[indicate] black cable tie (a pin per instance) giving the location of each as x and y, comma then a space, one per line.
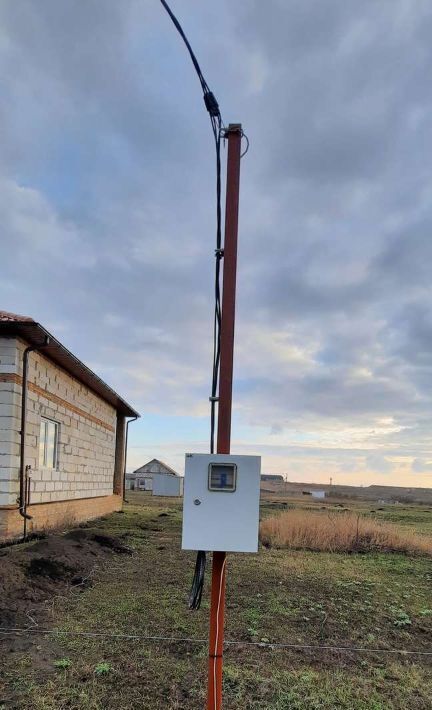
211, 104
219, 253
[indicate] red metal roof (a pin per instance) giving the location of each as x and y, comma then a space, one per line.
6, 317
12, 324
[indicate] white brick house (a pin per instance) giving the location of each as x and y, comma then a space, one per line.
68, 465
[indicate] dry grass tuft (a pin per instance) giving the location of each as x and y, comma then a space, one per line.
339, 532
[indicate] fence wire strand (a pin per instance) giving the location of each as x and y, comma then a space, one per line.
175, 639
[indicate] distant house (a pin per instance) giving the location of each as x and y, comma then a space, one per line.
62, 443
314, 493
276, 477
142, 478
318, 494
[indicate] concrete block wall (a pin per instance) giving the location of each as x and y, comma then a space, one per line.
87, 431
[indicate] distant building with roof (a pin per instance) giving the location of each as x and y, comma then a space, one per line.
142, 478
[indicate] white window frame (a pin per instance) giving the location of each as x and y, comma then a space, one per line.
46, 421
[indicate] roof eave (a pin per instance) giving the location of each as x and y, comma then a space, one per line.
35, 334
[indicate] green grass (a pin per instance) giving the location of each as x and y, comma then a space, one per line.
62, 663
373, 600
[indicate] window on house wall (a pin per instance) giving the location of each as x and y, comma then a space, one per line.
48, 443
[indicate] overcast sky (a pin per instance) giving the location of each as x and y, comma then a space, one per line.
107, 219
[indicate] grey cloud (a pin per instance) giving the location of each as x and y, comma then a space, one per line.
104, 126
339, 81
379, 463
421, 466
332, 396
404, 260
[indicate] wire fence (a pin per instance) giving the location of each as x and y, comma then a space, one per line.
175, 639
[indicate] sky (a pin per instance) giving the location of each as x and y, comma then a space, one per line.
107, 207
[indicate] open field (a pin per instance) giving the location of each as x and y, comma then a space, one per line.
385, 494
374, 600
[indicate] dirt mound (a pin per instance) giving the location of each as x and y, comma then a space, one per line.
33, 573
44, 567
112, 543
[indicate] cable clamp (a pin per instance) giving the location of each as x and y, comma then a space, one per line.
213, 399
211, 104
219, 253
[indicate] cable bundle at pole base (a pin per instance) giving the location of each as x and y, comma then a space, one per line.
198, 581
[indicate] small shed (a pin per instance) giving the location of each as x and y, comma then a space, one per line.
164, 485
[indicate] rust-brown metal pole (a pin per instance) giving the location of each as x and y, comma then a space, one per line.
217, 611
229, 288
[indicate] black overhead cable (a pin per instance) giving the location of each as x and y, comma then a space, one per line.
217, 126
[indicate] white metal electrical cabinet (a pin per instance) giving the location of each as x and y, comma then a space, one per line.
221, 502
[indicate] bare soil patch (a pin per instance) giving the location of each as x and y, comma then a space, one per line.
33, 573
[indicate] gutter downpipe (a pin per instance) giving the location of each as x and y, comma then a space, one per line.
23, 497
125, 456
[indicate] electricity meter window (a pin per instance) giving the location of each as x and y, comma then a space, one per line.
222, 477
